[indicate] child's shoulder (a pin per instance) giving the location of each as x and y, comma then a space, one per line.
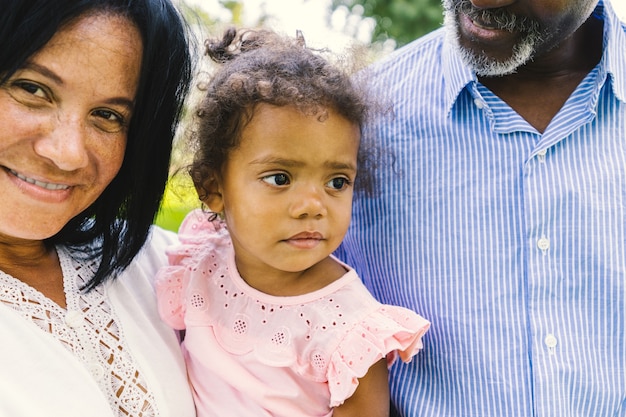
199, 223
199, 234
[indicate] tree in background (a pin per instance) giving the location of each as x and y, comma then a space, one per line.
400, 20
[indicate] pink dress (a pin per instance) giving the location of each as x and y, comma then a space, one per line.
253, 354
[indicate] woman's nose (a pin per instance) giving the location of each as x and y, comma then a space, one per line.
64, 143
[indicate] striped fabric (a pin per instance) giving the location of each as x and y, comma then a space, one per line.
513, 243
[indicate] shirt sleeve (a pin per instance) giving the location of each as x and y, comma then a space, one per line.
390, 332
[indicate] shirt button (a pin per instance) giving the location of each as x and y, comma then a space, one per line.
541, 155
96, 370
543, 244
74, 318
479, 103
550, 341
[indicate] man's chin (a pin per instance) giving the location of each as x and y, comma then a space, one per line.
487, 66
519, 52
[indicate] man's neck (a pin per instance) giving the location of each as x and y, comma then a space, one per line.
538, 90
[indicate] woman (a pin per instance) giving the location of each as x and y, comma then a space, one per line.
90, 94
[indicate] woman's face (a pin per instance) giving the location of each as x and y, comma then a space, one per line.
64, 120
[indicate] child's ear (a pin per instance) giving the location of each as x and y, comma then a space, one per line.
210, 193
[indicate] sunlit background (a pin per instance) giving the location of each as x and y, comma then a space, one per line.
324, 21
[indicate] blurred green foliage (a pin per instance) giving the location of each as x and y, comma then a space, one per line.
401, 20
180, 197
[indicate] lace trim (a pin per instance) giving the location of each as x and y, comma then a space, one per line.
89, 330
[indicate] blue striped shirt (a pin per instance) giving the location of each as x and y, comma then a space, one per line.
512, 242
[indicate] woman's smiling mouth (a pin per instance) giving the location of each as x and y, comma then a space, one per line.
46, 185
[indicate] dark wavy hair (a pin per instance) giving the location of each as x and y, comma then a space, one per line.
261, 66
117, 224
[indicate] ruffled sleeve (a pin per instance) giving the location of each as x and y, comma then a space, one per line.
198, 235
389, 332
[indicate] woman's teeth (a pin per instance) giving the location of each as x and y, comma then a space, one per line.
46, 185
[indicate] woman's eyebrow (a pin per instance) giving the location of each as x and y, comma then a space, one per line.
45, 71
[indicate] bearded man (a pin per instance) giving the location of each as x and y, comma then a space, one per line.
503, 218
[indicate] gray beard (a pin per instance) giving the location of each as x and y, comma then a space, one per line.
483, 65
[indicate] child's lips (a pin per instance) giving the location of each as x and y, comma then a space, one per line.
307, 235
305, 240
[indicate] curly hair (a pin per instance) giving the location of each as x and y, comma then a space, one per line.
261, 66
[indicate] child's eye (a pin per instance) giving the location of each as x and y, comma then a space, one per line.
278, 180
338, 183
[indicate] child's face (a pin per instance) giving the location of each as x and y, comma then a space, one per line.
286, 191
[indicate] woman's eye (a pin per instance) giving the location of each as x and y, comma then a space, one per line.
26, 90
278, 180
338, 183
108, 115
109, 120
32, 88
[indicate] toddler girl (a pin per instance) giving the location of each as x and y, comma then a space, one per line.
274, 324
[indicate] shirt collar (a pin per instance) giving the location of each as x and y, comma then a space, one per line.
614, 56
455, 72
458, 75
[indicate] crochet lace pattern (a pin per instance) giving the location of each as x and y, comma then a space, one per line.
88, 329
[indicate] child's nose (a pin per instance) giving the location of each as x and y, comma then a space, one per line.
308, 202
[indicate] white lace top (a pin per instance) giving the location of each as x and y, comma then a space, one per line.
90, 330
